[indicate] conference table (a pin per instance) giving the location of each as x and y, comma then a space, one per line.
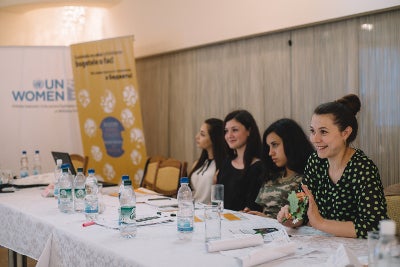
32, 225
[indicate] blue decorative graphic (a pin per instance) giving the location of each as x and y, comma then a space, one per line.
112, 138
38, 84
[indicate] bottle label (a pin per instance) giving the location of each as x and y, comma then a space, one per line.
65, 193
185, 225
80, 193
128, 213
91, 205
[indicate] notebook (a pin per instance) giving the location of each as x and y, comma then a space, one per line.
65, 159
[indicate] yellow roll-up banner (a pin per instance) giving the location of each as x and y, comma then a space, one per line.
109, 108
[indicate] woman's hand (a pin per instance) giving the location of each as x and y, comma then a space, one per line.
315, 218
285, 218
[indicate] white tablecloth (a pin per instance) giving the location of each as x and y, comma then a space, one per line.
29, 222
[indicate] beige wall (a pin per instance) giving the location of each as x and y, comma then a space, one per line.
273, 80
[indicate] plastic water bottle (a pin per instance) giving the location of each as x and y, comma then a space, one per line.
185, 215
79, 191
127, 204
57, 174
24, 171
91, 197
37, 166
121, 187
386, 253
65, 200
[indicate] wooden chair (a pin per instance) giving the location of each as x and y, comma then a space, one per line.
79, 161
150, 172
393, 210
168, 175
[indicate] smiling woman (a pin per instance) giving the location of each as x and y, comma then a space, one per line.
343, 185
242, 172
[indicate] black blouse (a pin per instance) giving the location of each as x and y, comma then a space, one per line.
240, 191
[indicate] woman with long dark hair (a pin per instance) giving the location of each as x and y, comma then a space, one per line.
242, 172
211, 141
285, 152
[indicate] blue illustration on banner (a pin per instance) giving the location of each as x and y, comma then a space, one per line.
48, 90
112, 138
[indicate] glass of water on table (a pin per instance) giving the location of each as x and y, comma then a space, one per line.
217, 196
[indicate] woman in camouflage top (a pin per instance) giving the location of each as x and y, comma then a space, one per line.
285, 152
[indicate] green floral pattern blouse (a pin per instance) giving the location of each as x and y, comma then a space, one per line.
357, 196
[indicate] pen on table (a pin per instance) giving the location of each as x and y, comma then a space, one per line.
160, 198
171, 214
88, 223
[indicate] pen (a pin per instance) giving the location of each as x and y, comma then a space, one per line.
88, 223
171, 214
160, 198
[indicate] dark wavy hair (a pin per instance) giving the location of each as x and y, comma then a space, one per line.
216, 132
253, 145
344, 111
296, 146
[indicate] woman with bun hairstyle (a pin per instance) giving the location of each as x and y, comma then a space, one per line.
342, 184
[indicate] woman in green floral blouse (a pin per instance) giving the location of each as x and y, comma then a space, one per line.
343, 185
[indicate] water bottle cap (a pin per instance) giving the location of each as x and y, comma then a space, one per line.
59, 161
91, 171
387, 227
127, 182
64, 169
184, 180
125, 177
80, 169
65, 165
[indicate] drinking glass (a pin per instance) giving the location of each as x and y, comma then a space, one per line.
373, 237
102, 205
212, 221
217, 196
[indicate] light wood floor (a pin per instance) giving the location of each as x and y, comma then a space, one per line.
4, 259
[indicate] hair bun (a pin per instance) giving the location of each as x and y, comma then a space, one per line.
351, 101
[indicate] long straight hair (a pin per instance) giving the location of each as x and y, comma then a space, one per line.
253, 144
296, 146
216, 133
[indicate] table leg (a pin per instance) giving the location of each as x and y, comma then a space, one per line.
16, 260
21, 260
12, 258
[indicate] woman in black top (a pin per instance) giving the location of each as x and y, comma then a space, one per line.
242, 172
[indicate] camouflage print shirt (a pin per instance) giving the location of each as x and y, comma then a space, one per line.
273, 194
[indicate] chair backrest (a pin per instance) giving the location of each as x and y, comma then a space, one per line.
393, 210
168, 175
150, 172
80, 161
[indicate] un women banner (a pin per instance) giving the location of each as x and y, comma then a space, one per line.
37, 105
109, 107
